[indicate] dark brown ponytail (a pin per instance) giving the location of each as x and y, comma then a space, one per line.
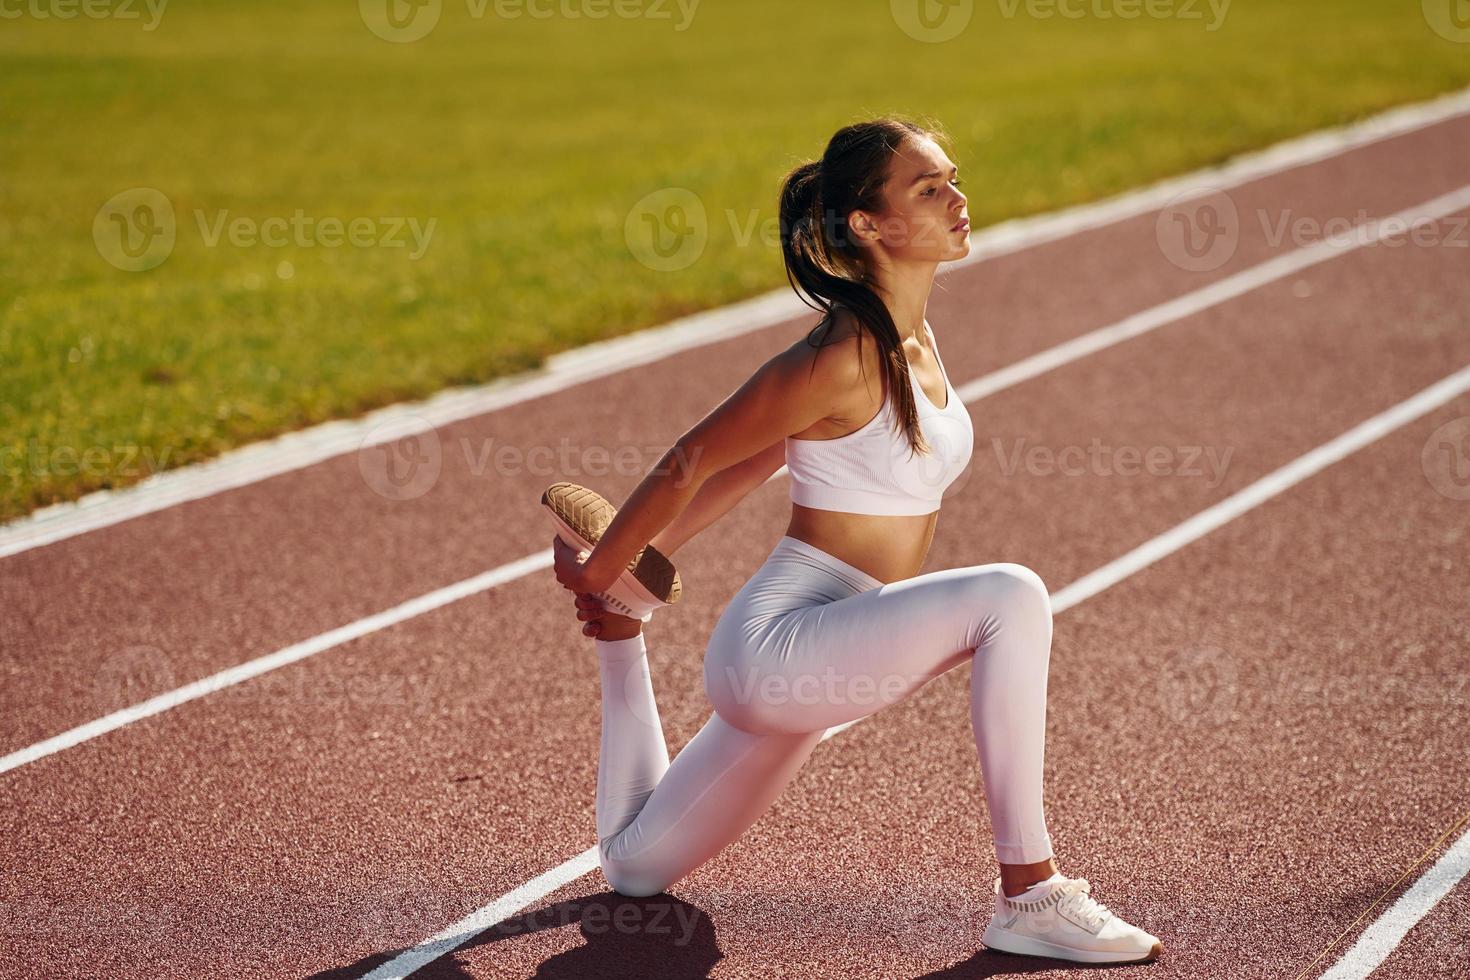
825, 267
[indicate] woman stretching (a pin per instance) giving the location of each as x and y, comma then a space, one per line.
836, 624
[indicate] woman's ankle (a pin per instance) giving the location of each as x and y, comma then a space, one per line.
1016, 878
619, 631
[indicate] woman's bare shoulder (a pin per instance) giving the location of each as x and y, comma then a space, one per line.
841, 358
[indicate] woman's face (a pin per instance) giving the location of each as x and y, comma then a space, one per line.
926, 218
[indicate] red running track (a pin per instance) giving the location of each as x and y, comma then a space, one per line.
1249, 741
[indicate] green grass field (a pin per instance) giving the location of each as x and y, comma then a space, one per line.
527, 142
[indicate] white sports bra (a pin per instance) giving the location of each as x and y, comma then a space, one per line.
873, 470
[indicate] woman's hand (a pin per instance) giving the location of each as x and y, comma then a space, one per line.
570, 567
599, 623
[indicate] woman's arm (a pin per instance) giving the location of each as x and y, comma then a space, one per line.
719, 495
785, 395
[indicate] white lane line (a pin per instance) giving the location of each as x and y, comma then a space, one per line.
1055, 357
287, 655
478, 921
1264, 489
306, 447
1214, 294
1383, 936
1204, 298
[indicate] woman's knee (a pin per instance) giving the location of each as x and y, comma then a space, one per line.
1011, 589
635, 877
633, 884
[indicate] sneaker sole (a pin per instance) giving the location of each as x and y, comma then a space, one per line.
1002, 941
582, 515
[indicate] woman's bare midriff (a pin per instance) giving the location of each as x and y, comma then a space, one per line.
887, 548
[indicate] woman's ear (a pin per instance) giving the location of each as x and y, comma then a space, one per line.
861, 227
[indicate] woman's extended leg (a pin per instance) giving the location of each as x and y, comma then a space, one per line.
827, 663
718, 785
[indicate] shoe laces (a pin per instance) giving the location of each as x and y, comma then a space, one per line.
1079, 902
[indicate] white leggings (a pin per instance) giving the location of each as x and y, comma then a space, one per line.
811, 642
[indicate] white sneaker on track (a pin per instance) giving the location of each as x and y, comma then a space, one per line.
1062, 920
649, 582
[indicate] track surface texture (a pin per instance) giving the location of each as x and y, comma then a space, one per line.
1255, 745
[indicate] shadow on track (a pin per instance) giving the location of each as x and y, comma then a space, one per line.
623, 939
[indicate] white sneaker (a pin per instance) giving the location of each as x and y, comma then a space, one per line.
650, 580
1064, 921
